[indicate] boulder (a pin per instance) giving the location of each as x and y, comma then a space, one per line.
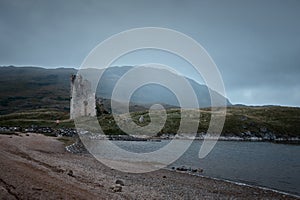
120, 182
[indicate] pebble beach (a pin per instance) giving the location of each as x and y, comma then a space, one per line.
34, 166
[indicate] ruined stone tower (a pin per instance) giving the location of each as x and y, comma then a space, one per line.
82, 99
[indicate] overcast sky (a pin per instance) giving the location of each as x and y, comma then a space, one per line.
255, 43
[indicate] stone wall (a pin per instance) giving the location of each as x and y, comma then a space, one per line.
82, 98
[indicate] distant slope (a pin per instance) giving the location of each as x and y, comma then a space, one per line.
25, 88
153, 93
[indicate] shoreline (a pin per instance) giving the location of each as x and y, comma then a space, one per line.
35, 166
239, 183
70, 132
197, 174
291, 140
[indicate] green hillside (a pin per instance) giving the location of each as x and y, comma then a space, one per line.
27, 88
240, 121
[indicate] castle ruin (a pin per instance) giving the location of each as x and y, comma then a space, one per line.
82, 99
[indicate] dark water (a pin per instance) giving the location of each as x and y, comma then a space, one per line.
264, 164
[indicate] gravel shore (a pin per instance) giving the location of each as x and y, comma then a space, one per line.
38, 167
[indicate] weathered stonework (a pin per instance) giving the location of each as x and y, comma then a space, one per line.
82, 98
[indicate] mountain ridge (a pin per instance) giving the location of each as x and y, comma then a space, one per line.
30, 87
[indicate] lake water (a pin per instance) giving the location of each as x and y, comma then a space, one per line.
264, 164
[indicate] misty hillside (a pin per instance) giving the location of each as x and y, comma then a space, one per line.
24, 88
154, 93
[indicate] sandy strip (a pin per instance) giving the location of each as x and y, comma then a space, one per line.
38, 167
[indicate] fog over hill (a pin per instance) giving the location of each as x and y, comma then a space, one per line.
24, 88
152, 93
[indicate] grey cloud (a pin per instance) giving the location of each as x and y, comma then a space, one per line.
255, 44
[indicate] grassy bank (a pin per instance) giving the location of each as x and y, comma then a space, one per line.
38, 117
259, 121
280, 121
